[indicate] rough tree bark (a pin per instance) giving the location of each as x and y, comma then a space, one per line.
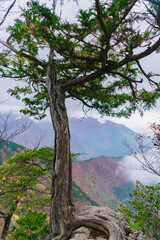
61, 201
63, 220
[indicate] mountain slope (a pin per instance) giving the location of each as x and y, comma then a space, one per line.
81, 199
87, 136
103, 180
100, 180
9, 149
96, 139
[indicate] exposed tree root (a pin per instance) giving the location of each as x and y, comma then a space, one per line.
109, 225
111, 230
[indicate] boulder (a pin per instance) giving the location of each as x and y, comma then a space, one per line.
115, 222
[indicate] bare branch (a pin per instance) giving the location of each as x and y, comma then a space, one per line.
5, 130
149, 75
149, 10
145, 154
6, 14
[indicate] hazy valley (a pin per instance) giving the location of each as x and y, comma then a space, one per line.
102, 175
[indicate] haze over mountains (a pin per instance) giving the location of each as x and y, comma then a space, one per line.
104, 178
87, 136
95, 139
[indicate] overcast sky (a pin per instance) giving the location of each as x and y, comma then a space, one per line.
136, 123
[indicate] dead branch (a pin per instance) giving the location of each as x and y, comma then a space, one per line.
5, 130
7, 12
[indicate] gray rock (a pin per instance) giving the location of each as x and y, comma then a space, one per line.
116, 222
79, 236
102, 223
81, 233
137, 235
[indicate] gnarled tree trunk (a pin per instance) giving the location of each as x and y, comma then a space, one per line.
61, 215
63, 220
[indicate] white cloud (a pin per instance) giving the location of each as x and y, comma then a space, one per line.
9, 103
140, 124
136, 123
133, 169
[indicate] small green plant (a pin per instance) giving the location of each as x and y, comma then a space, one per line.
22, 179
146, 209
30, 226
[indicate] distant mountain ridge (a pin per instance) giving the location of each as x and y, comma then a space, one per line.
87, 136
96, 139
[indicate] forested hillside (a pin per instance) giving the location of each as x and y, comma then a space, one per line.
98, 181
8, 149
103, 180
